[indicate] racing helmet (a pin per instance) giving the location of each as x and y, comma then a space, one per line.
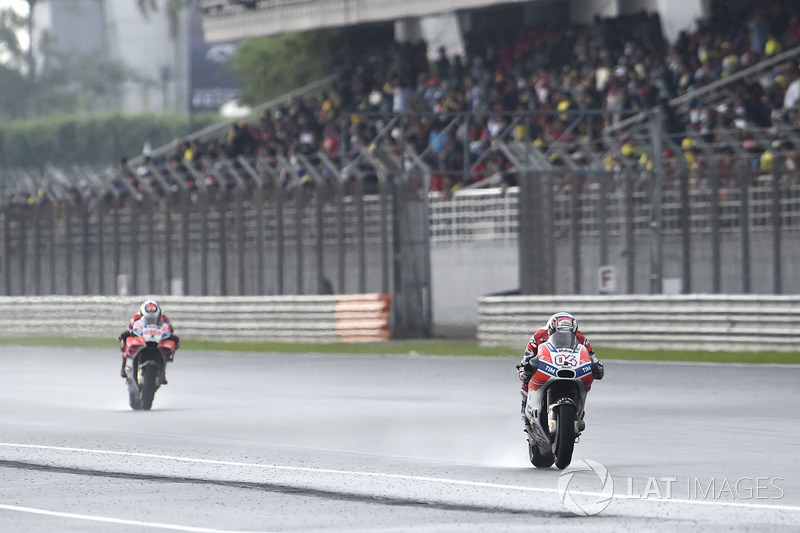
561, 330
562, 321
151, 312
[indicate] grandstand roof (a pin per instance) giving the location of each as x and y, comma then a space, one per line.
228, 20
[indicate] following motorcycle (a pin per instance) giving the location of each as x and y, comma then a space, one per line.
147, 352
556, 400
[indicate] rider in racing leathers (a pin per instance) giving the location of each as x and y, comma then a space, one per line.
530, 360
151, 313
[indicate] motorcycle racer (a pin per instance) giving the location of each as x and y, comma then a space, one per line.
150, 313
530, 360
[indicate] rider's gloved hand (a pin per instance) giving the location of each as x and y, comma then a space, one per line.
597, 370
122, 336
524, 371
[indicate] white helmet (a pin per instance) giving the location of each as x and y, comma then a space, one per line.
561, 320
151, 312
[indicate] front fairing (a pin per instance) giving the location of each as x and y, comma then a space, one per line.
151, 332
565, 362
564, 371
149, 343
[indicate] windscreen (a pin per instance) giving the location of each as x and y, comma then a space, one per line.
563, 339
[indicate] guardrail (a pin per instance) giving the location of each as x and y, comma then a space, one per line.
344, 318
682, 322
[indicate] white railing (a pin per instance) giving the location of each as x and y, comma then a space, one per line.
681, 322
490, 214
481, 214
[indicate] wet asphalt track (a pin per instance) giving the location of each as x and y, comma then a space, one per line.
255, 442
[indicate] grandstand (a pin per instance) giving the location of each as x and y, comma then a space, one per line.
633, 149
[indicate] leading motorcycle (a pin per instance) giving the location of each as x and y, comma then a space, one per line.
556, 400
147, 352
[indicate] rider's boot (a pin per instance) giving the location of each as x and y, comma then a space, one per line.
163, 376
122, 370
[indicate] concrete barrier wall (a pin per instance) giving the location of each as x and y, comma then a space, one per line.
701, 322
346, 318
686, 322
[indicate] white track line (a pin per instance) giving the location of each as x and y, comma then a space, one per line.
118, 521
754, 364
429, 479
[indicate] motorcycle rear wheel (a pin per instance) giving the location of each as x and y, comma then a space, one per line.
149, 386
565, 435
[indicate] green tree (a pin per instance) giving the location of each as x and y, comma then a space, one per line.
12, 96
30, 63
15, 87
80, 83
42, 80
11, 24
173, 9
271, 66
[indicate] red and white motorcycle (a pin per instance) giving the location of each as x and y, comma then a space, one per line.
556, 400
147, 352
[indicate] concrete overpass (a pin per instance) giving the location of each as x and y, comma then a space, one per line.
231, 20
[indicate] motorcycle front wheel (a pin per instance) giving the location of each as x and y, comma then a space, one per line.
148, 386
565, 435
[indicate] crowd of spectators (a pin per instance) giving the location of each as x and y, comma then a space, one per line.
530, 84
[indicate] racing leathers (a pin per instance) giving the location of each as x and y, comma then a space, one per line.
123, 338
530, 361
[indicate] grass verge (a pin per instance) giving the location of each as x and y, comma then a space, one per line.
421, 347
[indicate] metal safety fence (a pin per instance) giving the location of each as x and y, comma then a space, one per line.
197, 243
640, 212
